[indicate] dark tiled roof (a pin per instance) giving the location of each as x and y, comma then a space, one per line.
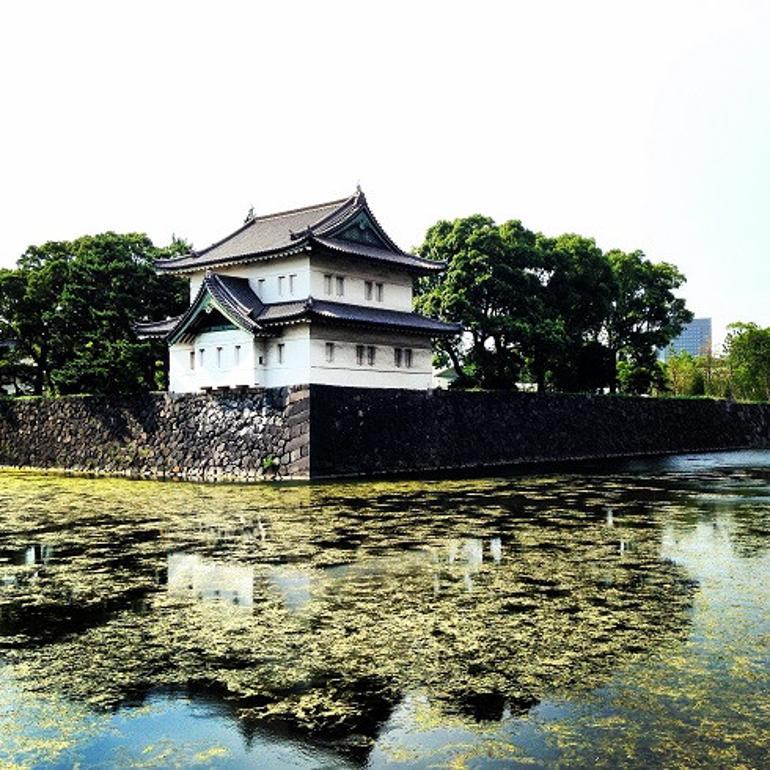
235, 293
155, 328
400, 258
356, 314
266, 235
300, 230
236, 301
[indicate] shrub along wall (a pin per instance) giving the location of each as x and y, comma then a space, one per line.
233, 436
356, 431
322, 431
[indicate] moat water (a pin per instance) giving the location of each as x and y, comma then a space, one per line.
608, 617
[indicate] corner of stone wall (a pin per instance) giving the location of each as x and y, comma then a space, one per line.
295, 460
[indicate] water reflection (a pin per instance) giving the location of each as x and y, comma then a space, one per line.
193, 576
324, 611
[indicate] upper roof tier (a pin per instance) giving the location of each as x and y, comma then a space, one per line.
343, 227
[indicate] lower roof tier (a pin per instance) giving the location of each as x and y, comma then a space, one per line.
234, 299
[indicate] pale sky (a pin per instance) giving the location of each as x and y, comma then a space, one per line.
643, 124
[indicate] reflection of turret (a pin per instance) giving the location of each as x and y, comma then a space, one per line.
469, 553
37, 554
190, 575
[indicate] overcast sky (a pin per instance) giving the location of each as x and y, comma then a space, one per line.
645, 125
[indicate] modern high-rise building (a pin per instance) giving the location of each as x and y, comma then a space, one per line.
695, 339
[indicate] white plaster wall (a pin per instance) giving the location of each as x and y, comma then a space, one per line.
211, 373
270, 270
344, 370
295, 369
398, 285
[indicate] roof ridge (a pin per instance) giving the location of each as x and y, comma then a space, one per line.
301, 209
264, 218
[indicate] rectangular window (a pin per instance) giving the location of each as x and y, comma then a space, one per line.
219, 358
407, 358
397, 356
329, 352
261, 288
340, 283
368, 289
192, 359
327, 285
237, 355
280, 352
371, 353
292, 284
200, 356
380, 292
261, 360
360, 355
281, 281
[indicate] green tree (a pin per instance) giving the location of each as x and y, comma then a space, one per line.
69, 306
645, 315
493, 287
579, 294
747, 354
30, 308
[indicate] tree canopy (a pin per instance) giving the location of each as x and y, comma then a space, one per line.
558, 311
68, 309
747, 355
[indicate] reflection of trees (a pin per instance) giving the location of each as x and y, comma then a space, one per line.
355, 600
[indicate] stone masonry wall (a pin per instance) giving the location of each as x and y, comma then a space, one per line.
322, 431
259, 434
358, 431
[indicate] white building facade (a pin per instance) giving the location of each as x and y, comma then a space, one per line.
319, 295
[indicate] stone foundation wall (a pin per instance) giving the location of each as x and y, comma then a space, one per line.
356, 431
260, 434
322, 431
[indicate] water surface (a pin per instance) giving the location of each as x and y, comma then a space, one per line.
611, 617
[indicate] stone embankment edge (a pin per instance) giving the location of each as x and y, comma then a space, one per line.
329, 432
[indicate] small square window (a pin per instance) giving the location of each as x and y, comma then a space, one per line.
397, 356
380, 292
368, 289
408, 358
371, 353
329, 352
281, 281
327, 285
340, 284
280, 352
360, 355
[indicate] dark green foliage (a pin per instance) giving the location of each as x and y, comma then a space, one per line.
69, 308
645, 315
747, 354
556, 310
493, 287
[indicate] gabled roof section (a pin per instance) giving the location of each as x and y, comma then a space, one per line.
345, 226
232, 297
